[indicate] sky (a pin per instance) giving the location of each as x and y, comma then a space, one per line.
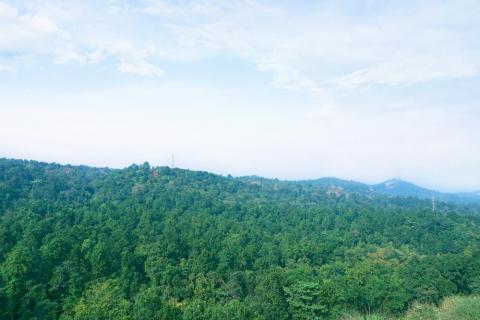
363, 90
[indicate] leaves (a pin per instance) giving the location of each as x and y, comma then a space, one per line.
161, 243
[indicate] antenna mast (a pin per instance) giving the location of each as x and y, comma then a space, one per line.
433, 203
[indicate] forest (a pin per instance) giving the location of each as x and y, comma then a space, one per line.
146, 242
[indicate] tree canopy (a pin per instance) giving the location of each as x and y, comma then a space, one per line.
158, 243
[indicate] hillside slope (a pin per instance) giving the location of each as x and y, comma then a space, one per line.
159, 243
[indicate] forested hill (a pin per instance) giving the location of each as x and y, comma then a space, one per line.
392, 187
158, 243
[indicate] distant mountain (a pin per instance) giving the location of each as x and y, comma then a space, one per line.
395, 187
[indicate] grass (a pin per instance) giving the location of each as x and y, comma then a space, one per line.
422, 312
451, 308
464, 308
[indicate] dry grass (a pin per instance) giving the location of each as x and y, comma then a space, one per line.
451, 308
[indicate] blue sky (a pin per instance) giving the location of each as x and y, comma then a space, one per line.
364, 90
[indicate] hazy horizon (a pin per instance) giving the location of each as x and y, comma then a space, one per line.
364, 91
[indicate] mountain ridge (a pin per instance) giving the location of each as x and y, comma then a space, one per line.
397, 187
394, 187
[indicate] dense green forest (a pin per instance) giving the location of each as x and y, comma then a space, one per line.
158, 243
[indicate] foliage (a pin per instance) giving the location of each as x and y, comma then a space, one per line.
158, 243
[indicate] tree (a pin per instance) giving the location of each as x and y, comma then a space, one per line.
312, 300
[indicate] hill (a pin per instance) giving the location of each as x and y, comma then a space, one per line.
395, 188
398, 187
158, 243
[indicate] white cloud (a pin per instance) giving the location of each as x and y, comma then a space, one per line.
416, 70
27, 32
140, 67
162, 7
96, 56
312, 50
7, 68
328, 47
43, 30
68, 54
